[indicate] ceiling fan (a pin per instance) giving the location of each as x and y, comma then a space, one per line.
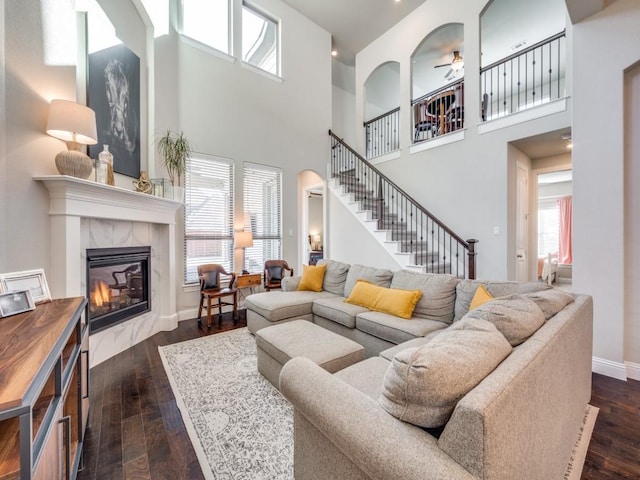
456, 64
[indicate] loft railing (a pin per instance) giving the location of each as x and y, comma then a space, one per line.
438, 112
432, 244
525, 79
382, 134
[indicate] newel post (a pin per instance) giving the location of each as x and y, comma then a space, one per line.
472, 258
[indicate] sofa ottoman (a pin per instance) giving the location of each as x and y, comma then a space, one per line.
278, 344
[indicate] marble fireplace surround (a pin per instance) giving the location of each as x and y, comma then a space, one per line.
84, 214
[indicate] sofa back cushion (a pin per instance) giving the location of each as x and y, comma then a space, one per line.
378, 276
466, 289
515, 316
335, 276
438, 293
423, 384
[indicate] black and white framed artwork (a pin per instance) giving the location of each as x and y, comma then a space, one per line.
113, 92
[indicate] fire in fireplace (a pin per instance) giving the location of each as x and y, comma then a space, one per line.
118, 285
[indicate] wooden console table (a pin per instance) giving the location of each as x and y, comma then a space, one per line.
44, 390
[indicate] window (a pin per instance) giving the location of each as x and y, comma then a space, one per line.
208, 219
259, 40
207, 21
263, 205
548, 227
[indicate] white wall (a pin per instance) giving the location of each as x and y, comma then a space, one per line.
599, 167
467, 184
231, 111
632, 218
28, 151
350, 242
3, 152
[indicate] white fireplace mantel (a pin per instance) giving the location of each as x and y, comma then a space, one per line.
71, 202
84, 198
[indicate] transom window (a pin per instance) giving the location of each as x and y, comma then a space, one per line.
259, 40
208, 21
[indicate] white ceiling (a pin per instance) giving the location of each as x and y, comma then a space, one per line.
354, 24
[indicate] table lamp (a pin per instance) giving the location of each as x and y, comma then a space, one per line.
76, 125
244, 240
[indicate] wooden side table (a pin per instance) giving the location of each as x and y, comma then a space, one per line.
248, 280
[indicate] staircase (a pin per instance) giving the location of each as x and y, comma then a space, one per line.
417, 239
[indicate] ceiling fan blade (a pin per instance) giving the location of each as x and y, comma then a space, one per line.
448, 74
443, 65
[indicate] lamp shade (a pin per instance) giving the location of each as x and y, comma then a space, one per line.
244, 239
72, 122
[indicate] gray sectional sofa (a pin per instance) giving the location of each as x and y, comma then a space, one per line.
525, 359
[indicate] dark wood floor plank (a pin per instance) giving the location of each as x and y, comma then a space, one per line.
131, 396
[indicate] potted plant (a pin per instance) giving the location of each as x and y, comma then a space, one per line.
175, 150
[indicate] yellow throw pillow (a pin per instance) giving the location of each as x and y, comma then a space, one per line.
312, 277
393, 301
481, 297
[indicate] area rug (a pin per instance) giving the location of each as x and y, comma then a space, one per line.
579, 453
240, 426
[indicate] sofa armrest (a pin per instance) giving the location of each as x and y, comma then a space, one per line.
378, 444
290, 284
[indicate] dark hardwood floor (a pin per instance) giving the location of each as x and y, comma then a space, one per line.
136, 431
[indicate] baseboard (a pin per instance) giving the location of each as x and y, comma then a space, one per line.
609, 368
633, 370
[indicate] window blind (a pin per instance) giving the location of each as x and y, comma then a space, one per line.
263, 205
208, 219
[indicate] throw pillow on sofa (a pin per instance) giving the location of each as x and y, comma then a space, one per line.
377, 276
423, 384
438, 293
551, 301
466, 289
515, 316
481, 297
312, 276
335, 276
393, 301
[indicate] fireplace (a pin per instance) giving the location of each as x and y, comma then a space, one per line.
118, 285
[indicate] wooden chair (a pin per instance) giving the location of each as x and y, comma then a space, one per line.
274, 272
210, 288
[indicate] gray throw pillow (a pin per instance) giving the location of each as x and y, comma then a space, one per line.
423, 384
551, 301
466, 289
335, 276
515, 316
378, 276
438, 293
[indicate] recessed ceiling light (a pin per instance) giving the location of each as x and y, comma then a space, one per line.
334, 53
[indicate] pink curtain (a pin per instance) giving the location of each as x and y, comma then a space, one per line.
565, 256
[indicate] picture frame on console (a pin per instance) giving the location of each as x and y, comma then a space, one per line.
13, 303
32, 280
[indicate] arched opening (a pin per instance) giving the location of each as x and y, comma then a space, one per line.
523, 59
382, 110
437, 83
